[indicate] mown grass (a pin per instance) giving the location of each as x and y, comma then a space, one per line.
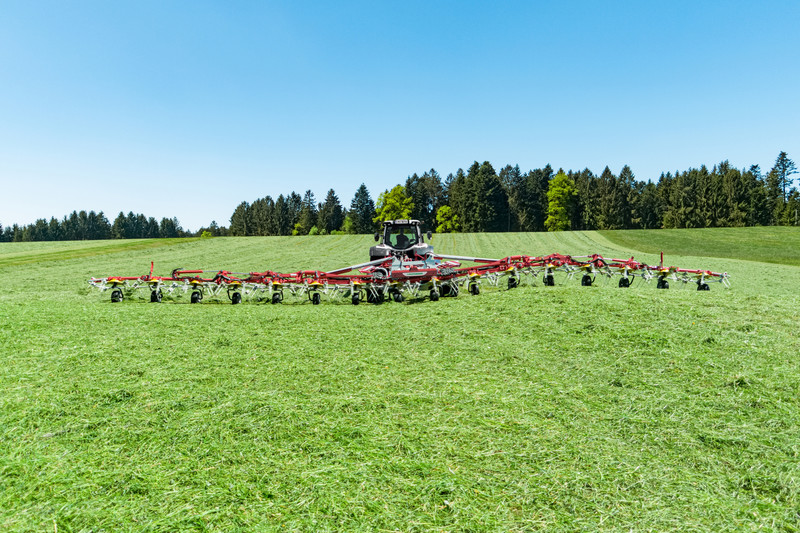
40, 252
564, 408
765, 244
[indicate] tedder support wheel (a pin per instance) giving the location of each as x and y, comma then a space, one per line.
624, 283
315, 298
116, 295
197, 296
434, 296
587, 280
474, 289
277, 297
703, 287
397, 296
155, 296
549, 281
356, 298
662, 284
512, 283
236, 298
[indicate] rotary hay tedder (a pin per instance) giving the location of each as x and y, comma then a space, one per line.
401, 266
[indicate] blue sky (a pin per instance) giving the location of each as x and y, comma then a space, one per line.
188, 108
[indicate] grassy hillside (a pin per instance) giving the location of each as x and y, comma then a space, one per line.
559, 408
766, 244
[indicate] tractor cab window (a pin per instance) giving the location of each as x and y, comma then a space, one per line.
401, 237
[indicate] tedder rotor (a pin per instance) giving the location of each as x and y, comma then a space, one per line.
401, 266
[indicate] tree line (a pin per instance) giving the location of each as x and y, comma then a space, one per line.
481, 199
83, 226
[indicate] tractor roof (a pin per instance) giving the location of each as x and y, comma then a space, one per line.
400, 221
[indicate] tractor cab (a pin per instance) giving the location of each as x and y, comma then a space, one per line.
400, 238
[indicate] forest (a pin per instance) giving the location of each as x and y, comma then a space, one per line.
484, 200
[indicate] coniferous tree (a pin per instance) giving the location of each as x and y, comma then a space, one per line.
426, 193
792, 210
463, 197
775, 198
294, 204
585, 210
54, 230
511, 179
169, 228
308, 215
119, 228
531, 208
608, 216
362, 211
624, 196
331, 214
280, 217
784, 169
456, 189
646, 209
757, 209
238, 227
491, 204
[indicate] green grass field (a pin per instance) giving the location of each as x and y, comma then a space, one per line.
560, 408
